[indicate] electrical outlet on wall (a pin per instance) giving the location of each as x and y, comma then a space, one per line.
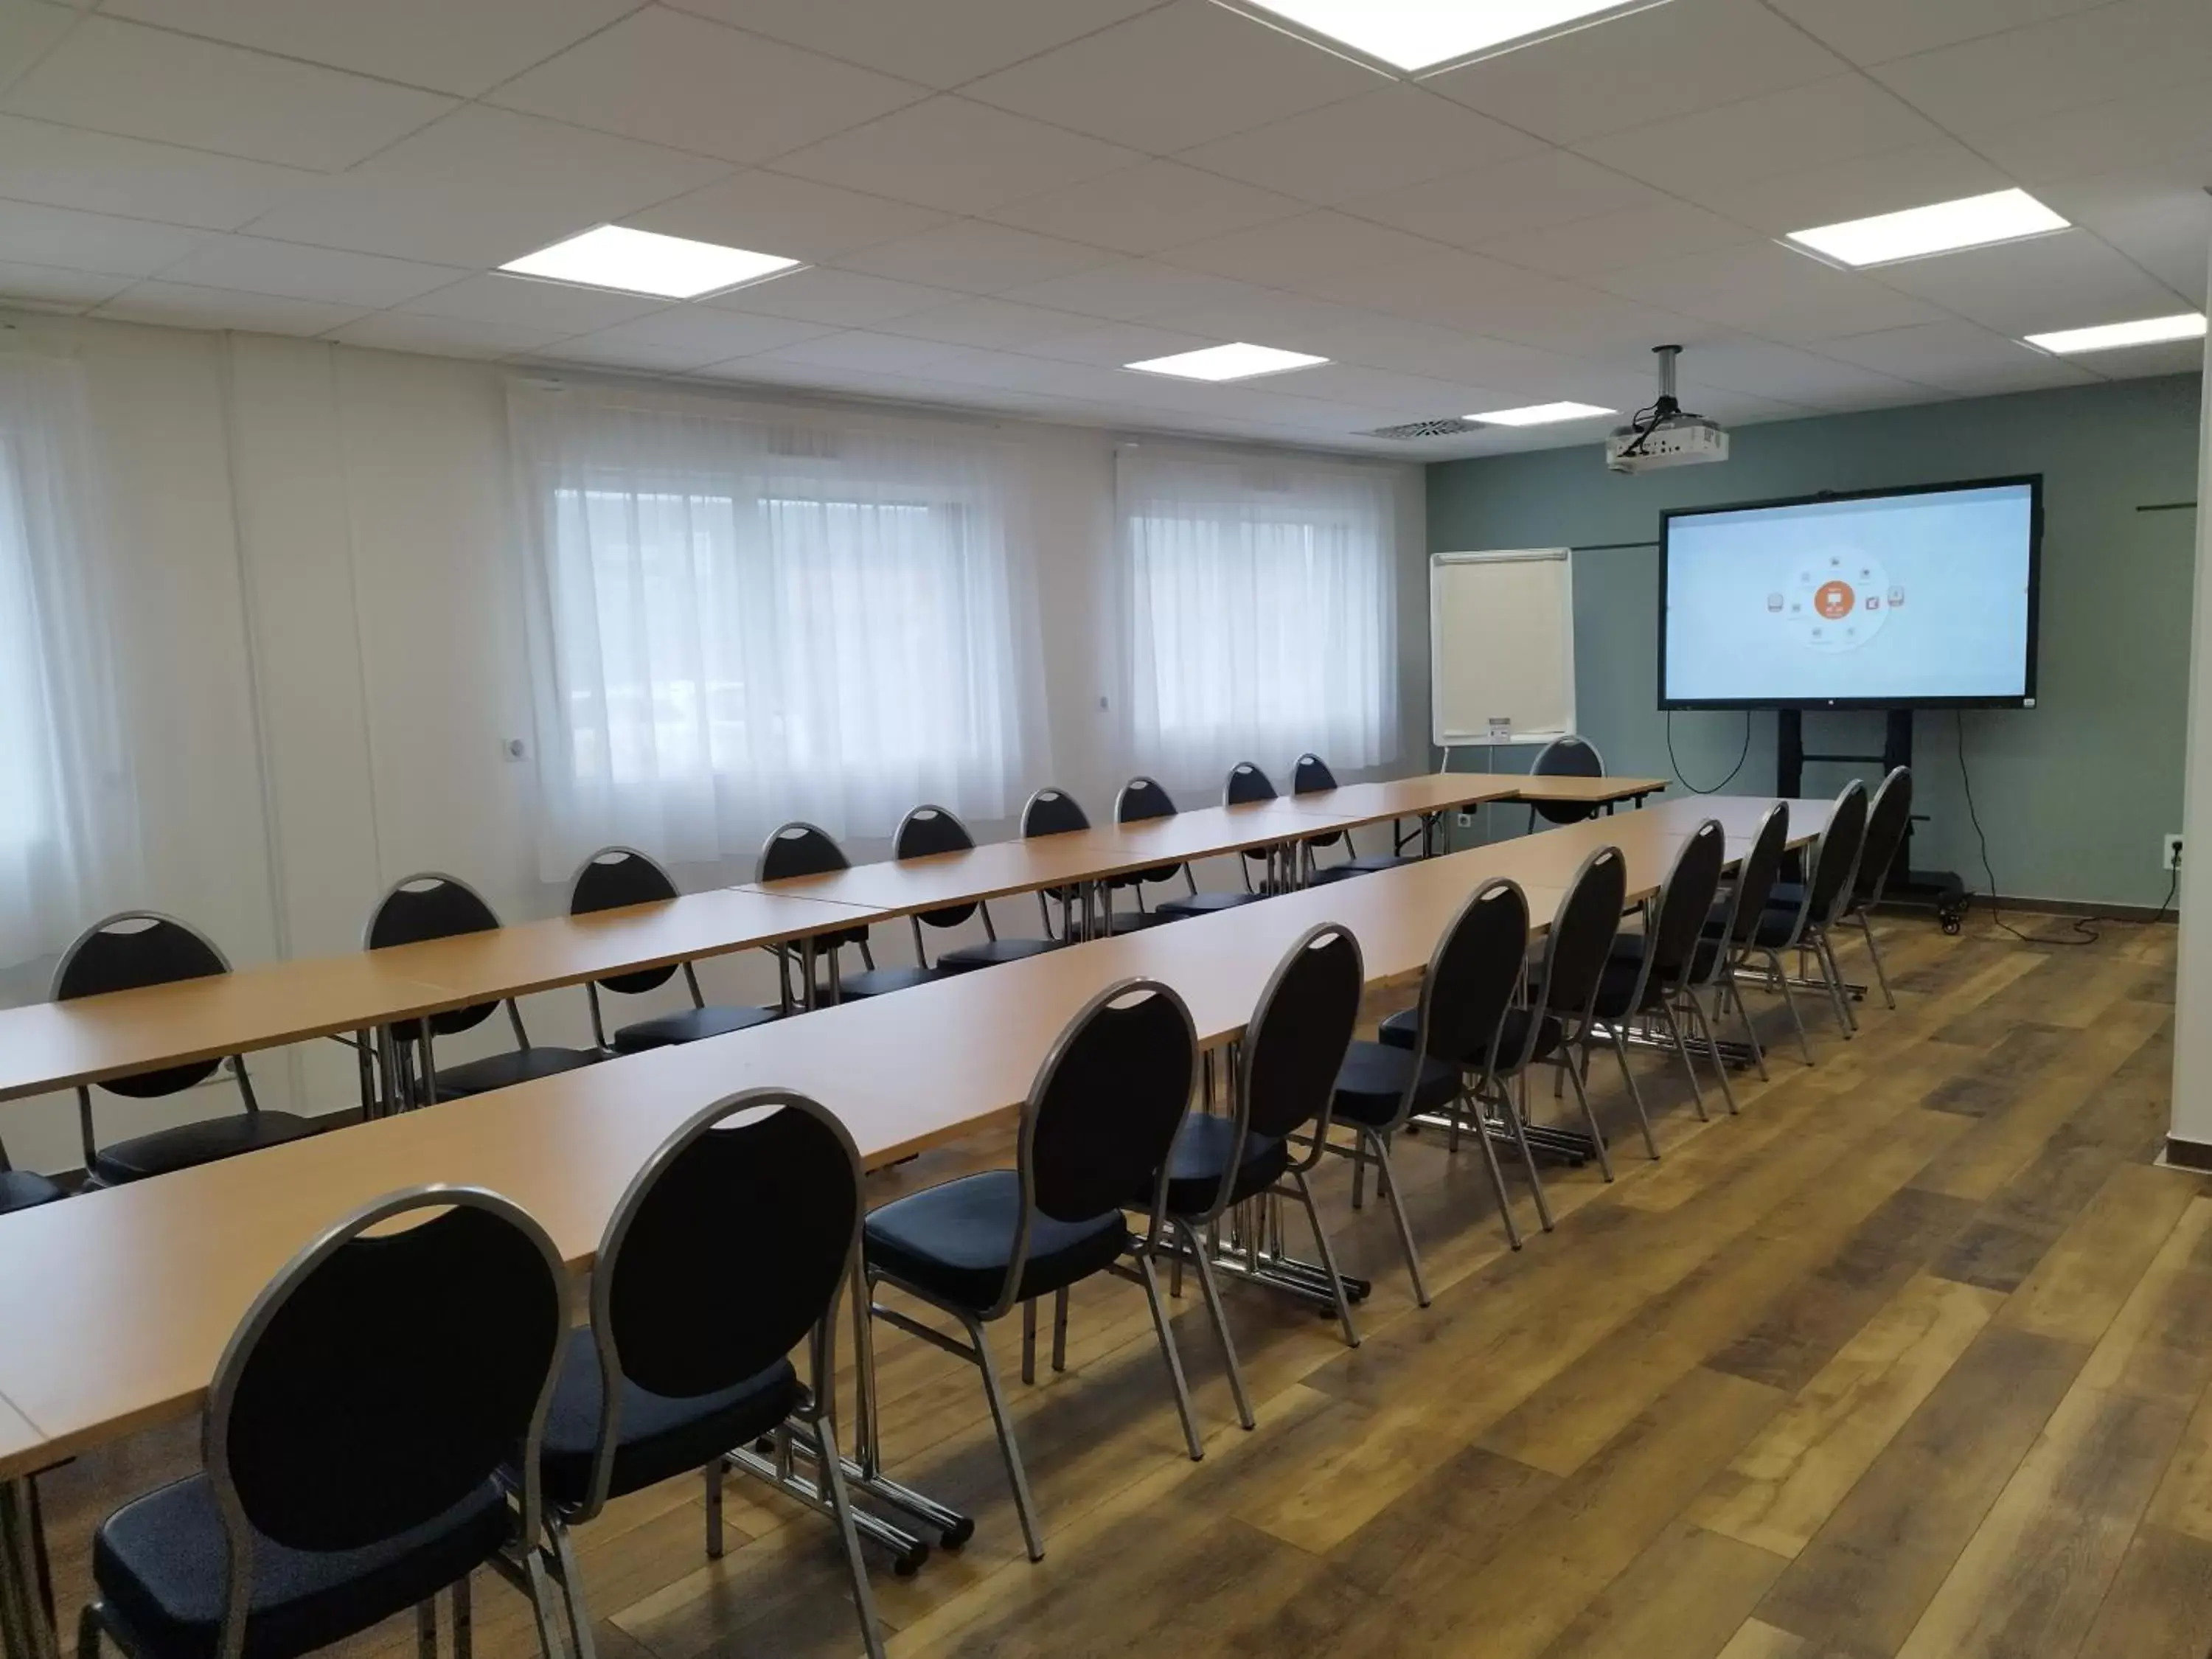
1465, 820
2171, 855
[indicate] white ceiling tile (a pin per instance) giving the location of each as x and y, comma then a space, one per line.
138, 83
859, 349
1955, 357
65, 166
686, 338
2118, 50
1376, 392
2170, 358
1000, 324
2171, 245
91, 241
1002, 371
835, 299
526, 302
773, 213
1668, 60
179, 305
1388, 139
460, 46
1855, 189
1185, 74
443, 336
955, 155
1552, 187
1131, 290
1787, 375
669, 78
1781, 132
2170, 124
1611, 240
2070, 280
258, 266
1146, 207
975, 257
483, 186
941, 44
1504, 302
1874, 31
28, 30
1290, 253
1764, 289
53, 287
1110, 347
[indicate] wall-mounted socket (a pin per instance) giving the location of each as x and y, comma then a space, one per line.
1465, 820
2170, 854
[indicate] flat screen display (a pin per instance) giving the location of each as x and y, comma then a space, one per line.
1891, 599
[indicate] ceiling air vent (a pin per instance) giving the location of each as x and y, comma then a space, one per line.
1413, 430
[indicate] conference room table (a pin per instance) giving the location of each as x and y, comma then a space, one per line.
117, 1304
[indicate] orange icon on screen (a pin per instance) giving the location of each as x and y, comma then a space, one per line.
1834, 600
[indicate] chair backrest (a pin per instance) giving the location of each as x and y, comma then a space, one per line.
1569, 756
1756, 875
1836, 859
384, 1375
127, 951
1670, 944
1142, 798
928, 830
1295, 1042
1052, 812
1311, 774
728, 1248
432, 906
1472, 974
1887, 820
1246, 783
1583, 929
610, 879
1102, 1115
800, 850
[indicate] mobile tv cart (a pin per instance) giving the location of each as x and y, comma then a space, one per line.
1940, 890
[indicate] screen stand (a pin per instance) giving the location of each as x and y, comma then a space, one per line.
1939, 891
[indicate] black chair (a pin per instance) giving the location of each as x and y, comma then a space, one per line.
610, 879
1099, 1124
353, 1445
1564, 758
432, 906
1466, 998
1803, 926
24, 1189
1054, 812
1654, 975
126, 952
1736, 922
728, 1248
1141, 800
801, 849
1247, 786
1282, 1078
1310, 776
1888, 818
928, 830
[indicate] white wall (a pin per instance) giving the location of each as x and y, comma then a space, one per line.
2192, 1010
326, 655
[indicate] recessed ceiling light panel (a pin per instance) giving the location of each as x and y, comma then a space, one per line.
643, 262
2111, 336
1419, 34
2003, 215
1540, 414
1238, 361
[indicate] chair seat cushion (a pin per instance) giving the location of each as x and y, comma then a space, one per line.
1207, 903
1372, 1081
504, 1071
24, 1189
1785, 895
656, 1437
190, 1145
1334, 872
1777, 926
1202, 1151
955, 1241
882, 982
993, 953
1371, 862
1400, 1030
160, 1564
690, 1026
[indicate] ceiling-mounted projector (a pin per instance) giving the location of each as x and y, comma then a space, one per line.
1665, 435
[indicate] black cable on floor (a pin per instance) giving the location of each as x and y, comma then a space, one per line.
1733, 770
2085, 926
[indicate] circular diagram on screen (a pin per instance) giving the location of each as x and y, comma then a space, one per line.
1838, 601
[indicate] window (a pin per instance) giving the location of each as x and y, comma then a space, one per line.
1262, 603
743, 624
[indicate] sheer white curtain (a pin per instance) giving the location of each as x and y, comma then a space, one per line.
68, 805
742, 616
1262, 599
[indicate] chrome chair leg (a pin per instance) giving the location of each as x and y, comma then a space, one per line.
1597, 1135
1212, 1294
1389, 1184
1328, 1254
87, 1632
1832, 971
1635, 1094
1496, 1176
714, 1473
1713, 1050
1513, 1118
1682, 1048
1735, 989
1789, 1001
841, 1505
1023, 1508
572, 1590
539, 1588
1169, 1353
463, 1620
1880, 974
1359, 1170
1059, 1329
1029, 1339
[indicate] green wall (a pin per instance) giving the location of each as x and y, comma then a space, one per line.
2075, 793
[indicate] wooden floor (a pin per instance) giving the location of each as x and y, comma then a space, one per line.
1910, 1358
